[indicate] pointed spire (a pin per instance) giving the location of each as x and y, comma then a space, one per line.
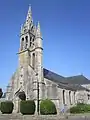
38, 26
29, 14
21, 30
38, 32
35, 28
21, 26
29, 10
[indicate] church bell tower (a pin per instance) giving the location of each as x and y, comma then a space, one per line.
30, 52
27, 41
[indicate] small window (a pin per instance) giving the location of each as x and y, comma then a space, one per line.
33, 40
22, 39
25, 30
26, 41
32, 28
33, 60
22, 43
30, 44
26, 38
21, 75
20, 82
30, 38
88, 97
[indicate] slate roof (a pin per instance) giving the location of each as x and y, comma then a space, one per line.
79, 79
70, 83
53, 76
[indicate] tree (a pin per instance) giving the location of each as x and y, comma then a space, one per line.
1, 93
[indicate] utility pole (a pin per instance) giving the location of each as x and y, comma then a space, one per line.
37, 94
38, 97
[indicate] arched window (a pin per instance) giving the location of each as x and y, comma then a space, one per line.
22, 43
88, 96
63, 96
33, 60
26, 42
32, 28
33, 40
70, 97
74, 97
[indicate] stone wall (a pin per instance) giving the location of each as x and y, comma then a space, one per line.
55, 93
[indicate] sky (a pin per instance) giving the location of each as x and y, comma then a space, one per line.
65, 26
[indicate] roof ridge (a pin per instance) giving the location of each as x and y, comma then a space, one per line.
75, 76
54, 72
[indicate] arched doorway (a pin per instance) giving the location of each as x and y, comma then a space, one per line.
22, 95
19, 95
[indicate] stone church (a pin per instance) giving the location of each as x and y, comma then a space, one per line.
35, 80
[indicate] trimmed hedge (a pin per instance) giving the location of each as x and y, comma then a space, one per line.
47, 107
80, 108
27, 107
7, 107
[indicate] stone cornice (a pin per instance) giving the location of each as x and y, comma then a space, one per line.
30, 50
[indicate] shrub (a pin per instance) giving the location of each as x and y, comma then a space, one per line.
7, 107
80, 104
87, 107
27, 107
47, 107
75, 109
80, 108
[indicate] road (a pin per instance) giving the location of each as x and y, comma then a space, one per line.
52, 117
